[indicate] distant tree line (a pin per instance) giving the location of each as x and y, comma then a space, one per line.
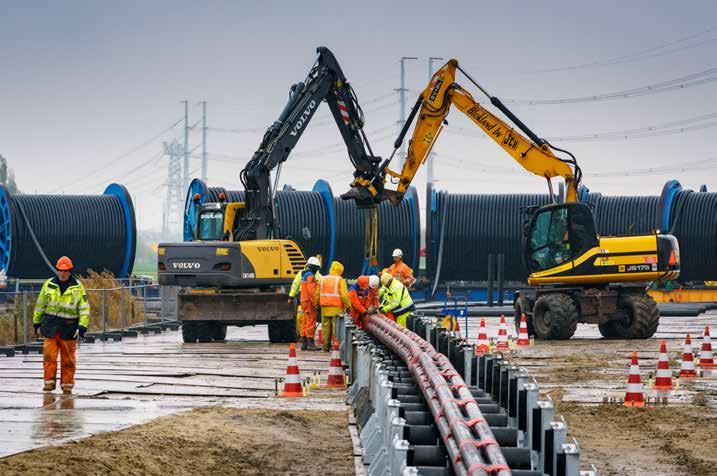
7, 176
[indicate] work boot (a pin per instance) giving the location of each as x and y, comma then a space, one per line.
67, 391
311, 346
302, 339
49, 387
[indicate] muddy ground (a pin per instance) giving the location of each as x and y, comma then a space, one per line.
204, 441
677, 439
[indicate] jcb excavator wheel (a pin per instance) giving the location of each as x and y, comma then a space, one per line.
638, 318
555, 317
189, 332
282, 332
520, 310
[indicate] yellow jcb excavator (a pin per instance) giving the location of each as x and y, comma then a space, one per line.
576, 275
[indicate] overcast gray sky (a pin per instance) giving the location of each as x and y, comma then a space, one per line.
84, 83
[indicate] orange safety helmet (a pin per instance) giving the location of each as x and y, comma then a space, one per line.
362, 282
64, 264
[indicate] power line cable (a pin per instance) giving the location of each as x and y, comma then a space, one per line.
648, 53
684, 82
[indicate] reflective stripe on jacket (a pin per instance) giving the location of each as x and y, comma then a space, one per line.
71, 305
396, 299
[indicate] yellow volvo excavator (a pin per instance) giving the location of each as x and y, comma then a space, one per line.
576, 275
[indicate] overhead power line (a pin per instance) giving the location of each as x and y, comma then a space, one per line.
696, 79
704, 164
108, 163
648, 53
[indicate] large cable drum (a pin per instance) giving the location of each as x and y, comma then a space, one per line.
475, 226
303, 218
625, 215
694, 223
98, 232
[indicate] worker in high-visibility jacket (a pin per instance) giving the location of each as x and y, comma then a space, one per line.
293, 296
309, 302
61, 315
401, 270
363, 295
396, 302
334, 300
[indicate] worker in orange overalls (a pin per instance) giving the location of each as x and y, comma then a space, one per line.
61, 315
363, 295
334, 300
308, 300
401, 270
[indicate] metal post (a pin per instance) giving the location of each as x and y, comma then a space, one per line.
402, 94
24, 318
501, 264
429, 170
104, 311
122, 318
489, 298
185, 172
204, 141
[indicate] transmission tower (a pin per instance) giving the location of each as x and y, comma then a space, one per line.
172, 218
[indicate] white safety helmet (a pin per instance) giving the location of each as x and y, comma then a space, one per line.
373, 281
397, 253
314, 261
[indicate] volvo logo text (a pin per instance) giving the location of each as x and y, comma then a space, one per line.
185, 265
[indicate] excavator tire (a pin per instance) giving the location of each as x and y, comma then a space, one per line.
638, 318
282, 332
220, 331
555, 317
520, 310
189, 332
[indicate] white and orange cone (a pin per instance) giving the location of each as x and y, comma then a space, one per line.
292, 383
336, 371
663, 376
502, 343
635, 396
523, 338
687, 369
706, 356
483, 345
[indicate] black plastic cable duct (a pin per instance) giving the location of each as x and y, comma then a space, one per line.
694, 223
476, 226
98, 232
349, 247
625, 215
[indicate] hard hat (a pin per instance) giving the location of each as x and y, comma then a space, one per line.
386, 278
373, 281
397, 253
314, 261
64, 264
362, 281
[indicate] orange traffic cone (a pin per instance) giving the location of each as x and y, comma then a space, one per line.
523, 339
336, 371
483, 346
292, 383
663, 376
502, 343
687, 369
706, 356
635, 396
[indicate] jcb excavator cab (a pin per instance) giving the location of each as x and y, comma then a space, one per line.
558, 234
